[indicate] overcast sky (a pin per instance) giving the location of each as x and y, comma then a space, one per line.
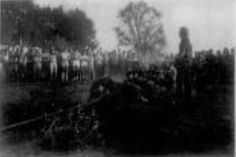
211, 22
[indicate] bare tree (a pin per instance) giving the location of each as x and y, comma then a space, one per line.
141, 30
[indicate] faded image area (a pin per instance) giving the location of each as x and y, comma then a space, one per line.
117, 78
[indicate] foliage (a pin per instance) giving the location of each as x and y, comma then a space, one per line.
71, 130
23, 21
141, 29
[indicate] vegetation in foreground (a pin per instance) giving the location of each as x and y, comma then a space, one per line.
140, 115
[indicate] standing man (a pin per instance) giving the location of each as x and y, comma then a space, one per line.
53, 64
183, 65
65, 57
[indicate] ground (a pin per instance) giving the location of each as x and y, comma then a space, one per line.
11, 93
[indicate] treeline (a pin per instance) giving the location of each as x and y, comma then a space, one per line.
23, 22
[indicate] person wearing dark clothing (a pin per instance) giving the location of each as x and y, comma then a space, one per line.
183, 65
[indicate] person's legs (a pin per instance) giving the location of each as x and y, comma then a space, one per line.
40, 71
35, 71
63, 73
179, 89
187, 85
51, 71
55, 68
67, 73
63, 76
25, 70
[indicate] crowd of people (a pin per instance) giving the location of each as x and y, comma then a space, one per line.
34, 63
149, 98
37, 64
213, 67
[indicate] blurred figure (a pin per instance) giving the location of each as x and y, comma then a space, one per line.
75, 62
23, 62
37, 65
65, 57
183, 66
91, 66
53, 65
84, 63
99, 65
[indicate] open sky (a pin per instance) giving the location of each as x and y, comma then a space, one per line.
211, 22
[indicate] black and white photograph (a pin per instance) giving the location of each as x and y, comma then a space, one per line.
114, 78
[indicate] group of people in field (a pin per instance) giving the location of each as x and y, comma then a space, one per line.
35, 63
21, 62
